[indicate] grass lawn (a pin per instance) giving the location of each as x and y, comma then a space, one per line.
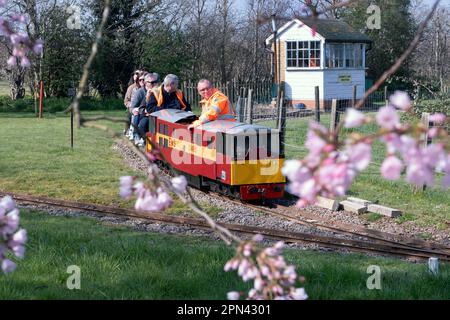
431, 207
119, 263
37, 159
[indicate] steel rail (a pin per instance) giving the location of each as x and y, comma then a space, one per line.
283, 235
375, 236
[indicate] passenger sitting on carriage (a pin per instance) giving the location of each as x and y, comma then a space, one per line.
168, 96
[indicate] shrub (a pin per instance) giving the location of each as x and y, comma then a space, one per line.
430, 106
53, 105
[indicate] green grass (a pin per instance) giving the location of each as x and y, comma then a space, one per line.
429, 207
37, 159
42, 162
119, 263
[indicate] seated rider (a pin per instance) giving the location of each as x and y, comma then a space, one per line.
167, 96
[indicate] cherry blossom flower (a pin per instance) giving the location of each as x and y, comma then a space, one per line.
401, 100
387, 118
233, 295
354, 118
272, 277
179, 184
11, 239
391, 168
438, 118
22, 45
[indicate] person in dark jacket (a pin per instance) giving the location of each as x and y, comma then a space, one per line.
168, 96
151, 82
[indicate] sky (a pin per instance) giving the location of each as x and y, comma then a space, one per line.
241, 4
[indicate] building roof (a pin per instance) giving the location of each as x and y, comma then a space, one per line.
331, 30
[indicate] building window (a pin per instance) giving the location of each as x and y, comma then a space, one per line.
344, 55
303, 54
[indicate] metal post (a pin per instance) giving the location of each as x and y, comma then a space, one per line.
354, 96
250, 107
282, 117
71, 129
425, 138
41, 98
317, 109
385, 96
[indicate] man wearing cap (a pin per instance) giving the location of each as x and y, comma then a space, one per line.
216, 105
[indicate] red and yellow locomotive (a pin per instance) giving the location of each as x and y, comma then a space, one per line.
236, 159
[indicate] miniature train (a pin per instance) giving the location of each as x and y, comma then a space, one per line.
231, 158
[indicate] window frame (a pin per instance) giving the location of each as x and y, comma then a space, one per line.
357, 60
297, 51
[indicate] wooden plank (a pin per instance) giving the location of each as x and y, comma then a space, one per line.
385, 211
330, 204
353, 207
360, 201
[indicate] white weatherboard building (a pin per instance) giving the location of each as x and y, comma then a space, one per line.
319, 52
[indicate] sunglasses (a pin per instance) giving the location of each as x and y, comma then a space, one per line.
141, 80
152, 82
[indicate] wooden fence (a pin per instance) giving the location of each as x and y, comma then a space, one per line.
262, 90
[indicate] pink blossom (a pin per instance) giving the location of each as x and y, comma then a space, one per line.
126, 186
8, 203
314, 142
387, 118
360, 155
295, 171
309, 190
433, 132
419, 174
391, 168
233, 295
257, 238
354, 118
19, 251
438, 118
20, 237
12, 61
24, 62
38, 47
8, 266
179, 184
400, 100
299, 294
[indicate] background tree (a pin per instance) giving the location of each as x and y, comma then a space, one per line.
396, 32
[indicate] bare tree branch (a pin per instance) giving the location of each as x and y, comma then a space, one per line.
400, 60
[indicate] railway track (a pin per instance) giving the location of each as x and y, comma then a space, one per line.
365, 246
346, 229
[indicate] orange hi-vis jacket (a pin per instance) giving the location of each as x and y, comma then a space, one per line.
160, 97
217, 107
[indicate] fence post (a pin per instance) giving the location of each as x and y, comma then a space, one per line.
317, 109
424, 137
282, 117
250, 107
385, 96
41, 98
354, 96
71, 128
334, 116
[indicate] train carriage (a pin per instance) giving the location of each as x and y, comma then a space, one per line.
232, 158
